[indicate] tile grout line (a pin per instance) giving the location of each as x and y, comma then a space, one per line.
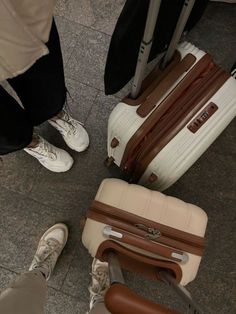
67, 294
63, 280
88, 27
10, 270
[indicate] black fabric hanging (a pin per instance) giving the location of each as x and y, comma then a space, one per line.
127, 36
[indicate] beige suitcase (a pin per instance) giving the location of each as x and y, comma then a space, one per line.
148, 231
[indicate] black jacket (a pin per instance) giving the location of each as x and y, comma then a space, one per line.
127, 36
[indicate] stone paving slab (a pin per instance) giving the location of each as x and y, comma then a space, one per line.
100, 15
87, 61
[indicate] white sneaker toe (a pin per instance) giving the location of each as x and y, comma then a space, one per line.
79, 141
72, 131
62, 163
50, 156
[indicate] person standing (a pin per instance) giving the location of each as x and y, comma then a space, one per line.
31, 62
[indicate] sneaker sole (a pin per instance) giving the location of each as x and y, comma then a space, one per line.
80, 150
56, 169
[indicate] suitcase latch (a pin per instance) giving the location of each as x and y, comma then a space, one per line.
152, 233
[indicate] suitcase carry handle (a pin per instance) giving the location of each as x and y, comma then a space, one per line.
147, 40
154, 247
119, 299
137, 262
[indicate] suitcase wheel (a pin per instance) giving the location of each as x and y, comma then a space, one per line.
109, 161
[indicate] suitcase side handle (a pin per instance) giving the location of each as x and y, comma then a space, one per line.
119, 299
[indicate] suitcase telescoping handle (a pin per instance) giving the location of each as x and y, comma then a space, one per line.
119, 299
145, 46
147, 41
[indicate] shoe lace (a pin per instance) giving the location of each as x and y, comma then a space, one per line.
46, 257
45, 149
101, 282
69, 124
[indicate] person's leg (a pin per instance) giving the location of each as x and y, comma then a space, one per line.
27, 294
42, 89
99, 285
16, 133
16, 128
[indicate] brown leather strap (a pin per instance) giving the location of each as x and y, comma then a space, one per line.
169, 236
185, 64
136, 142
119, 299
136, 262
148, 245
152, 80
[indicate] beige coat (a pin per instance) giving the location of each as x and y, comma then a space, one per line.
24, 29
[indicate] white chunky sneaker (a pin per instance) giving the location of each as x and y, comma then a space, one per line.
50, 156
49, 249
72, 131
100, 282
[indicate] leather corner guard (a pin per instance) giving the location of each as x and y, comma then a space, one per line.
119, 299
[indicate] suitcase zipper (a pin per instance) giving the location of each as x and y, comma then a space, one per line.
152, 233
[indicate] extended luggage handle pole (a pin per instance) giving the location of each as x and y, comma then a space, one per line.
183, 18
145, 46
116, 277
193, 307
115, 272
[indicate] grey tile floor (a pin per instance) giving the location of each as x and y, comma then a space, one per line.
32, 199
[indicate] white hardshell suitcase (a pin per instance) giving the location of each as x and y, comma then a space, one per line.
186, 147
191, 139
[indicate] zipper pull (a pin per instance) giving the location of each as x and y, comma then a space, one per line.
152, 233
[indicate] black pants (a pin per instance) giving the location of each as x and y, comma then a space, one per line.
42, 92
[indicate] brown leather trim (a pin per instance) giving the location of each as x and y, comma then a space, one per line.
119, 218
138, 263
175, 244
149, 104
152, 80
119, 299
147, 245
136, 142
178, 117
